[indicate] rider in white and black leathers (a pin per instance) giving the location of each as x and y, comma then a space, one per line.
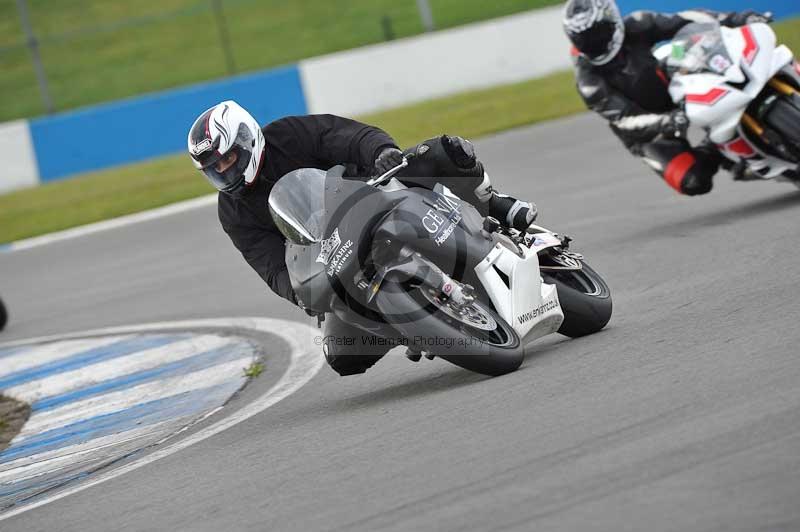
618, 77
243, 161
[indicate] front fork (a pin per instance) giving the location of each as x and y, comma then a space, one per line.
412, 265
782, 87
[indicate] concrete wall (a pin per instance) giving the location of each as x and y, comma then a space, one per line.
480, 55
18, 169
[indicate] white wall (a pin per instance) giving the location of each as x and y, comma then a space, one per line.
484, 54
18, 168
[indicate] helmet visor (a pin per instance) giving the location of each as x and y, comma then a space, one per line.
596, 30
231, 177
601, 42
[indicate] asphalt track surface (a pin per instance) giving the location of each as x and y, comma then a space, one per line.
684, 414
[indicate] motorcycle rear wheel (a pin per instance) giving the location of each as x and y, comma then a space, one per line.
585, 300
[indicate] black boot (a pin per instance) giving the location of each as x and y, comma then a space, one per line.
742, 172
512, 212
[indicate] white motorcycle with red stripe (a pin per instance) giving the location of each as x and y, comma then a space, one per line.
742, 88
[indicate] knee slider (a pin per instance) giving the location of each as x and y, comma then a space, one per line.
697, 182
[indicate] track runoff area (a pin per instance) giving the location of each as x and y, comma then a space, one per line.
105, 398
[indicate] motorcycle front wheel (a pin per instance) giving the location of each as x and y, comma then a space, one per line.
585, 300
785, 119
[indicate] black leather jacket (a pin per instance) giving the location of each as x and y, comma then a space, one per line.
631, 91
314, 141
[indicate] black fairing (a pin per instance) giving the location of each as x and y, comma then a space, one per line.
444, 229
373, 225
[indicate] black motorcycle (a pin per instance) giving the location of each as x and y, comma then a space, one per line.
425, 267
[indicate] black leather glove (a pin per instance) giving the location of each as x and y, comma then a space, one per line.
675, 124
460, 150
750, 17
388, 159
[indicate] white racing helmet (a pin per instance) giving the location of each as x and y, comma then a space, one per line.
596, 28
220, 130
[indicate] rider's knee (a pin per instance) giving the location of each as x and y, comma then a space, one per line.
460, 152
449, 156
695, 184
691, 173
699, 179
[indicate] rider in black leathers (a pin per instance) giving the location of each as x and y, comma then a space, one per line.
619, 78
243, 161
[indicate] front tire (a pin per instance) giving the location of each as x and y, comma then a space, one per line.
585, 300
785, 119
480, 341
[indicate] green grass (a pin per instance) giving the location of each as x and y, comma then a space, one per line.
13, 415
102, 50
98, 196
133, 188
478, 113
254, 370
789, 34
115, 192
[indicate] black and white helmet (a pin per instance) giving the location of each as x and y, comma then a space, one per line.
222, 131
596, 28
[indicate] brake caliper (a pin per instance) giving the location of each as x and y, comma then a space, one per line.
459, 295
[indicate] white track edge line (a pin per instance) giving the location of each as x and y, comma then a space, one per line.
305, 361
113, 223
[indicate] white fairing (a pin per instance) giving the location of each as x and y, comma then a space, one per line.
542, 238
530, 306
713, 102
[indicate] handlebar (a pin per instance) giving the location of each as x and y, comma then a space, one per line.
375, 181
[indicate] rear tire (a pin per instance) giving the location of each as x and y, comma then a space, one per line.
585, 300
485, 344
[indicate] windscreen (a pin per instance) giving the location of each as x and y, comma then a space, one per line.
297, 205
699, 48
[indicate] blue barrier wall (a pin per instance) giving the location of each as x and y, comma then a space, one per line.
145, 127
780, 8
